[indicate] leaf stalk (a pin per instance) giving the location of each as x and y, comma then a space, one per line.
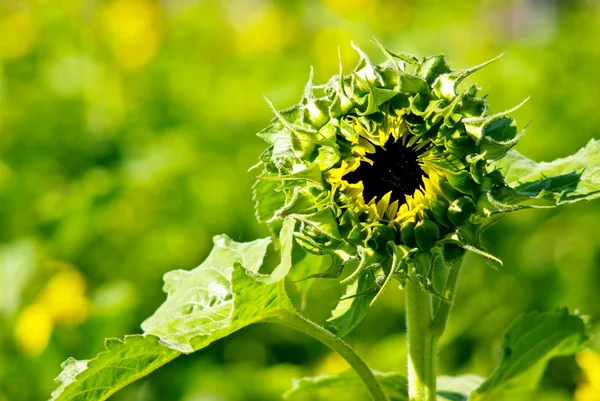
442, 313
299, 323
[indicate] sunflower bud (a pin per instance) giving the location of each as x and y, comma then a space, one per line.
390, 154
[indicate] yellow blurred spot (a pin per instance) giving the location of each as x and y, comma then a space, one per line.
17, 35
64, 297
265, 30
61, 301
33, 329
134, 30
585, 392
353, 9
387, 16
332, 363
347, 7
391, 16
589, 389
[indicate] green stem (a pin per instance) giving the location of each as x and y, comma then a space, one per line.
422, 369
312, 329
440, 319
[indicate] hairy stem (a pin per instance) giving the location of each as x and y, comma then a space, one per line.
312, 329
422, 345
440, 319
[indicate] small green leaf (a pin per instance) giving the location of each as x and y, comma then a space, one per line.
530, 342
394, 385
457, 388
307, 267
571, 179
355, 303
222, 295
368, 279
267, 196
322, 221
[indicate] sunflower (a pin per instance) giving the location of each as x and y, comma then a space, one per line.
392, 153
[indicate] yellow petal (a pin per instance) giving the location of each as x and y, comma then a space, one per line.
392, 210
383, 204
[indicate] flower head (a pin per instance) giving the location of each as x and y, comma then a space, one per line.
391, 153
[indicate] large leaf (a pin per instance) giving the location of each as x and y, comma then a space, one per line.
530, 342
571, 179
348, 383
224, 294
123, 362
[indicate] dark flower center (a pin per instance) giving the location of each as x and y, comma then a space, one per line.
395, 168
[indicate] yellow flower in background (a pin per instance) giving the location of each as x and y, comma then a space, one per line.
17, 35
33, 329
350, 8
264, 30
384, 15
134, 31
61, 301
332, 363
589, 389
64, 297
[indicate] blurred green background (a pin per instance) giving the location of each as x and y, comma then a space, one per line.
126, 135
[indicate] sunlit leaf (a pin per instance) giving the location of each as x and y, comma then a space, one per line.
123, 362
530, 342
222, 295
567, 180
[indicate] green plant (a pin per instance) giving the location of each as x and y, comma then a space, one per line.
385, 174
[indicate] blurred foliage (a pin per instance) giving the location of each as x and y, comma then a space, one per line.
126, 133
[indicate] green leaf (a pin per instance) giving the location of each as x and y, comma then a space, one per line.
530, 342
267, 196
354, 305
306, 269
457, 388
571, 179
199, 302
122, 363
372, 276
222, 295
394, 385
